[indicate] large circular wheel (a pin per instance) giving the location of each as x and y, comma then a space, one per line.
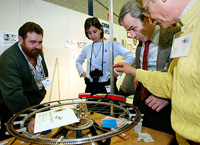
89, 129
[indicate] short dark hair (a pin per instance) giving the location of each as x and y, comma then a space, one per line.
133, 7
93, 22
29, 27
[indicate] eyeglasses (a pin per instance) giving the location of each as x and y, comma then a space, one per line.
146, 7
145, 13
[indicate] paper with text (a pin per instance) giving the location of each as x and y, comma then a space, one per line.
181, 46
54, 118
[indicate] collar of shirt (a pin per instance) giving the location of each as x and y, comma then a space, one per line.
153, 50
155, 35
39, 59
37, 71
186, 9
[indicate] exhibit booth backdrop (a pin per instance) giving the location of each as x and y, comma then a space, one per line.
62, 28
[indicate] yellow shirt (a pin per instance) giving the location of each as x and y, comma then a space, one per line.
182, 82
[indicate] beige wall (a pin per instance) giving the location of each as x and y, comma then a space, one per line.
58, 23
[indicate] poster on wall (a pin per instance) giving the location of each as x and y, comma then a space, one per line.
135, 41
75, 47
81, 44
129, 41
6, 40
70, 43
130, 45
124, 42
73, 54
129, 34
106, 28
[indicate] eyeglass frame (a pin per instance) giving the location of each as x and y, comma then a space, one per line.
145, 10
146, 7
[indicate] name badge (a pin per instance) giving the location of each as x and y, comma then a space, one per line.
46, 82
181, 46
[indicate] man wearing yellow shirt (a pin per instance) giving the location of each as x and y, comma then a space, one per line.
181, 84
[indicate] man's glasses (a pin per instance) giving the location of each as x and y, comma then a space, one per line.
146, 7
145, 13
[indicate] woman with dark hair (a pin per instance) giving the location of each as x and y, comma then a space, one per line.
97, 74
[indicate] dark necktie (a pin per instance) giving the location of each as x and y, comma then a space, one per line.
144, 91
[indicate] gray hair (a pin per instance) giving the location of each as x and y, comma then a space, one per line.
133, 7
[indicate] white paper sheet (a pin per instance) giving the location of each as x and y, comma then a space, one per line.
181, 46
54, 118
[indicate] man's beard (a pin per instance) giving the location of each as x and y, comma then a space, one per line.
34, 53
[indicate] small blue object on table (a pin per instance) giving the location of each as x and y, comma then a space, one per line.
109, 123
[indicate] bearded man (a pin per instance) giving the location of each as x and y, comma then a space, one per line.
22, 72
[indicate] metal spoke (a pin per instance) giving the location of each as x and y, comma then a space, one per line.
90, 113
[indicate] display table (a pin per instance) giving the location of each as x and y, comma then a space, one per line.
160, 138
89, 127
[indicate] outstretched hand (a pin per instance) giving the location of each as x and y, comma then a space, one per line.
125, 67
31, 125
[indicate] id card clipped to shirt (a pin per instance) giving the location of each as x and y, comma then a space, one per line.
181, 44
46, 82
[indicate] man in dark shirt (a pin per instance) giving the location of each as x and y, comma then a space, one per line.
22, 71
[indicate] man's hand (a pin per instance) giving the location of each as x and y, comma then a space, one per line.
135, 82
115, 74
156, 103
125, 67
84, 75
31, 125
87, 81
